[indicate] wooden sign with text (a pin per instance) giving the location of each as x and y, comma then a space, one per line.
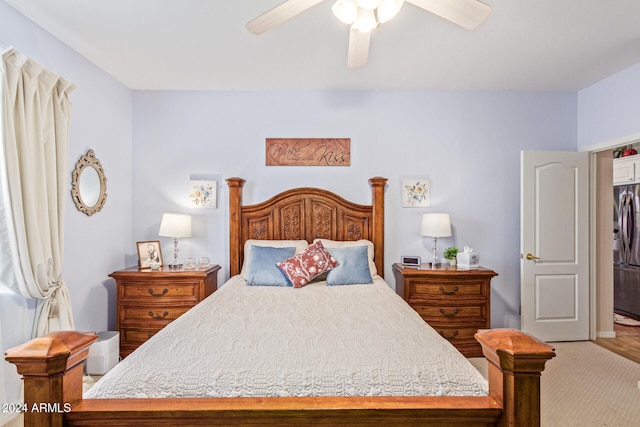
308, 151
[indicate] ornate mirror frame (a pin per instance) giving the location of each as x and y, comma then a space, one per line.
89, 160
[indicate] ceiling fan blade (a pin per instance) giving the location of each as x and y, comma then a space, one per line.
358, 48
279, 15
468, 14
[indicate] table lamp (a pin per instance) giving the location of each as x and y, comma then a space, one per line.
175, 226
436, 225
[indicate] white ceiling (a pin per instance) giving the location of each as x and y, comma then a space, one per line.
524, 45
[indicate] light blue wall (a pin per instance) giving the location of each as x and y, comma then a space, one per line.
609, 110
94, 246
467, 144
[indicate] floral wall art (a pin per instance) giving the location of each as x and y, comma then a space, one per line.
202, 194
416, 193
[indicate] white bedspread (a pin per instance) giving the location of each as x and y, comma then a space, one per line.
278, 341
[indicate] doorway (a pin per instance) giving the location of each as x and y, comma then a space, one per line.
604, 331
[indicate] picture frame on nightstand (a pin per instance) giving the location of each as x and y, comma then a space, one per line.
149, 254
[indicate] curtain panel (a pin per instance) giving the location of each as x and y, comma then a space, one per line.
36, 113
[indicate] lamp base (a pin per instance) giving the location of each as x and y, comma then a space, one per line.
434, 266
435, 262
174, 264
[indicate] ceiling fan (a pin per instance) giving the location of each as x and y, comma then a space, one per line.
365, 15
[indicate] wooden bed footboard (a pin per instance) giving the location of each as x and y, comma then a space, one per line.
51, 367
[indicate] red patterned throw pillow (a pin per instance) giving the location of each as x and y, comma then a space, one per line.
300, 269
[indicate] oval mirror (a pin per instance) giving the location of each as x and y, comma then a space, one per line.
89, 184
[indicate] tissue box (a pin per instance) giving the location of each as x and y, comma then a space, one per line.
468, 260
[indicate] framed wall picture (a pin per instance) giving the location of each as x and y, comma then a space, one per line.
308, 152
203, 194
416, 193
149, 252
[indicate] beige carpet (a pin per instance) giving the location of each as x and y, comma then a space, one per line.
586, 385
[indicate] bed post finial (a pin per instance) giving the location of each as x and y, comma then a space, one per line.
235, 204
516, 360
51, 368
377, 200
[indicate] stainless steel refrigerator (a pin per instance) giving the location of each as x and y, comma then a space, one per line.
626, 250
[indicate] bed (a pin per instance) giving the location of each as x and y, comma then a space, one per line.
356, 355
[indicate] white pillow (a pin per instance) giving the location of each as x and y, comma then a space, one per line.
350, 243
300, 246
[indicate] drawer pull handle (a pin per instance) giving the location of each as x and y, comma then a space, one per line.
158, 316
164, 292
450, 314
455, 290
450, 337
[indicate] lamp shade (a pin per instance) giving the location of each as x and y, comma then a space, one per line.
436, 225
175, 225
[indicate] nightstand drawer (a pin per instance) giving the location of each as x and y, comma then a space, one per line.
429, 289
160, 292
453, 333
131, 336
462, 338
150, 314
451, 313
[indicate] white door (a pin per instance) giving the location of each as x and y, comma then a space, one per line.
554, 245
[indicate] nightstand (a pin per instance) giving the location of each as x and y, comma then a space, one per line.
147, 300
454, 301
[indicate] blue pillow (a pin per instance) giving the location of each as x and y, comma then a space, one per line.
353, 268
263, 270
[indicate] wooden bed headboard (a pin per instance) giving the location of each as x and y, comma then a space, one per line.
305, 213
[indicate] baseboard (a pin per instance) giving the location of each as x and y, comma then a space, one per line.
611, 334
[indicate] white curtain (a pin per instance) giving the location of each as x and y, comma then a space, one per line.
34, 129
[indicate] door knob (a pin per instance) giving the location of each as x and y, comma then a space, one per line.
530, 257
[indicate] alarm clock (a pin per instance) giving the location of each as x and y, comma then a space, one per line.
410, 260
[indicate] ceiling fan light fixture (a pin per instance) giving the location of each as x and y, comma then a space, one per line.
366, 15
345, 10
369, 4
388, 9
366, 21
